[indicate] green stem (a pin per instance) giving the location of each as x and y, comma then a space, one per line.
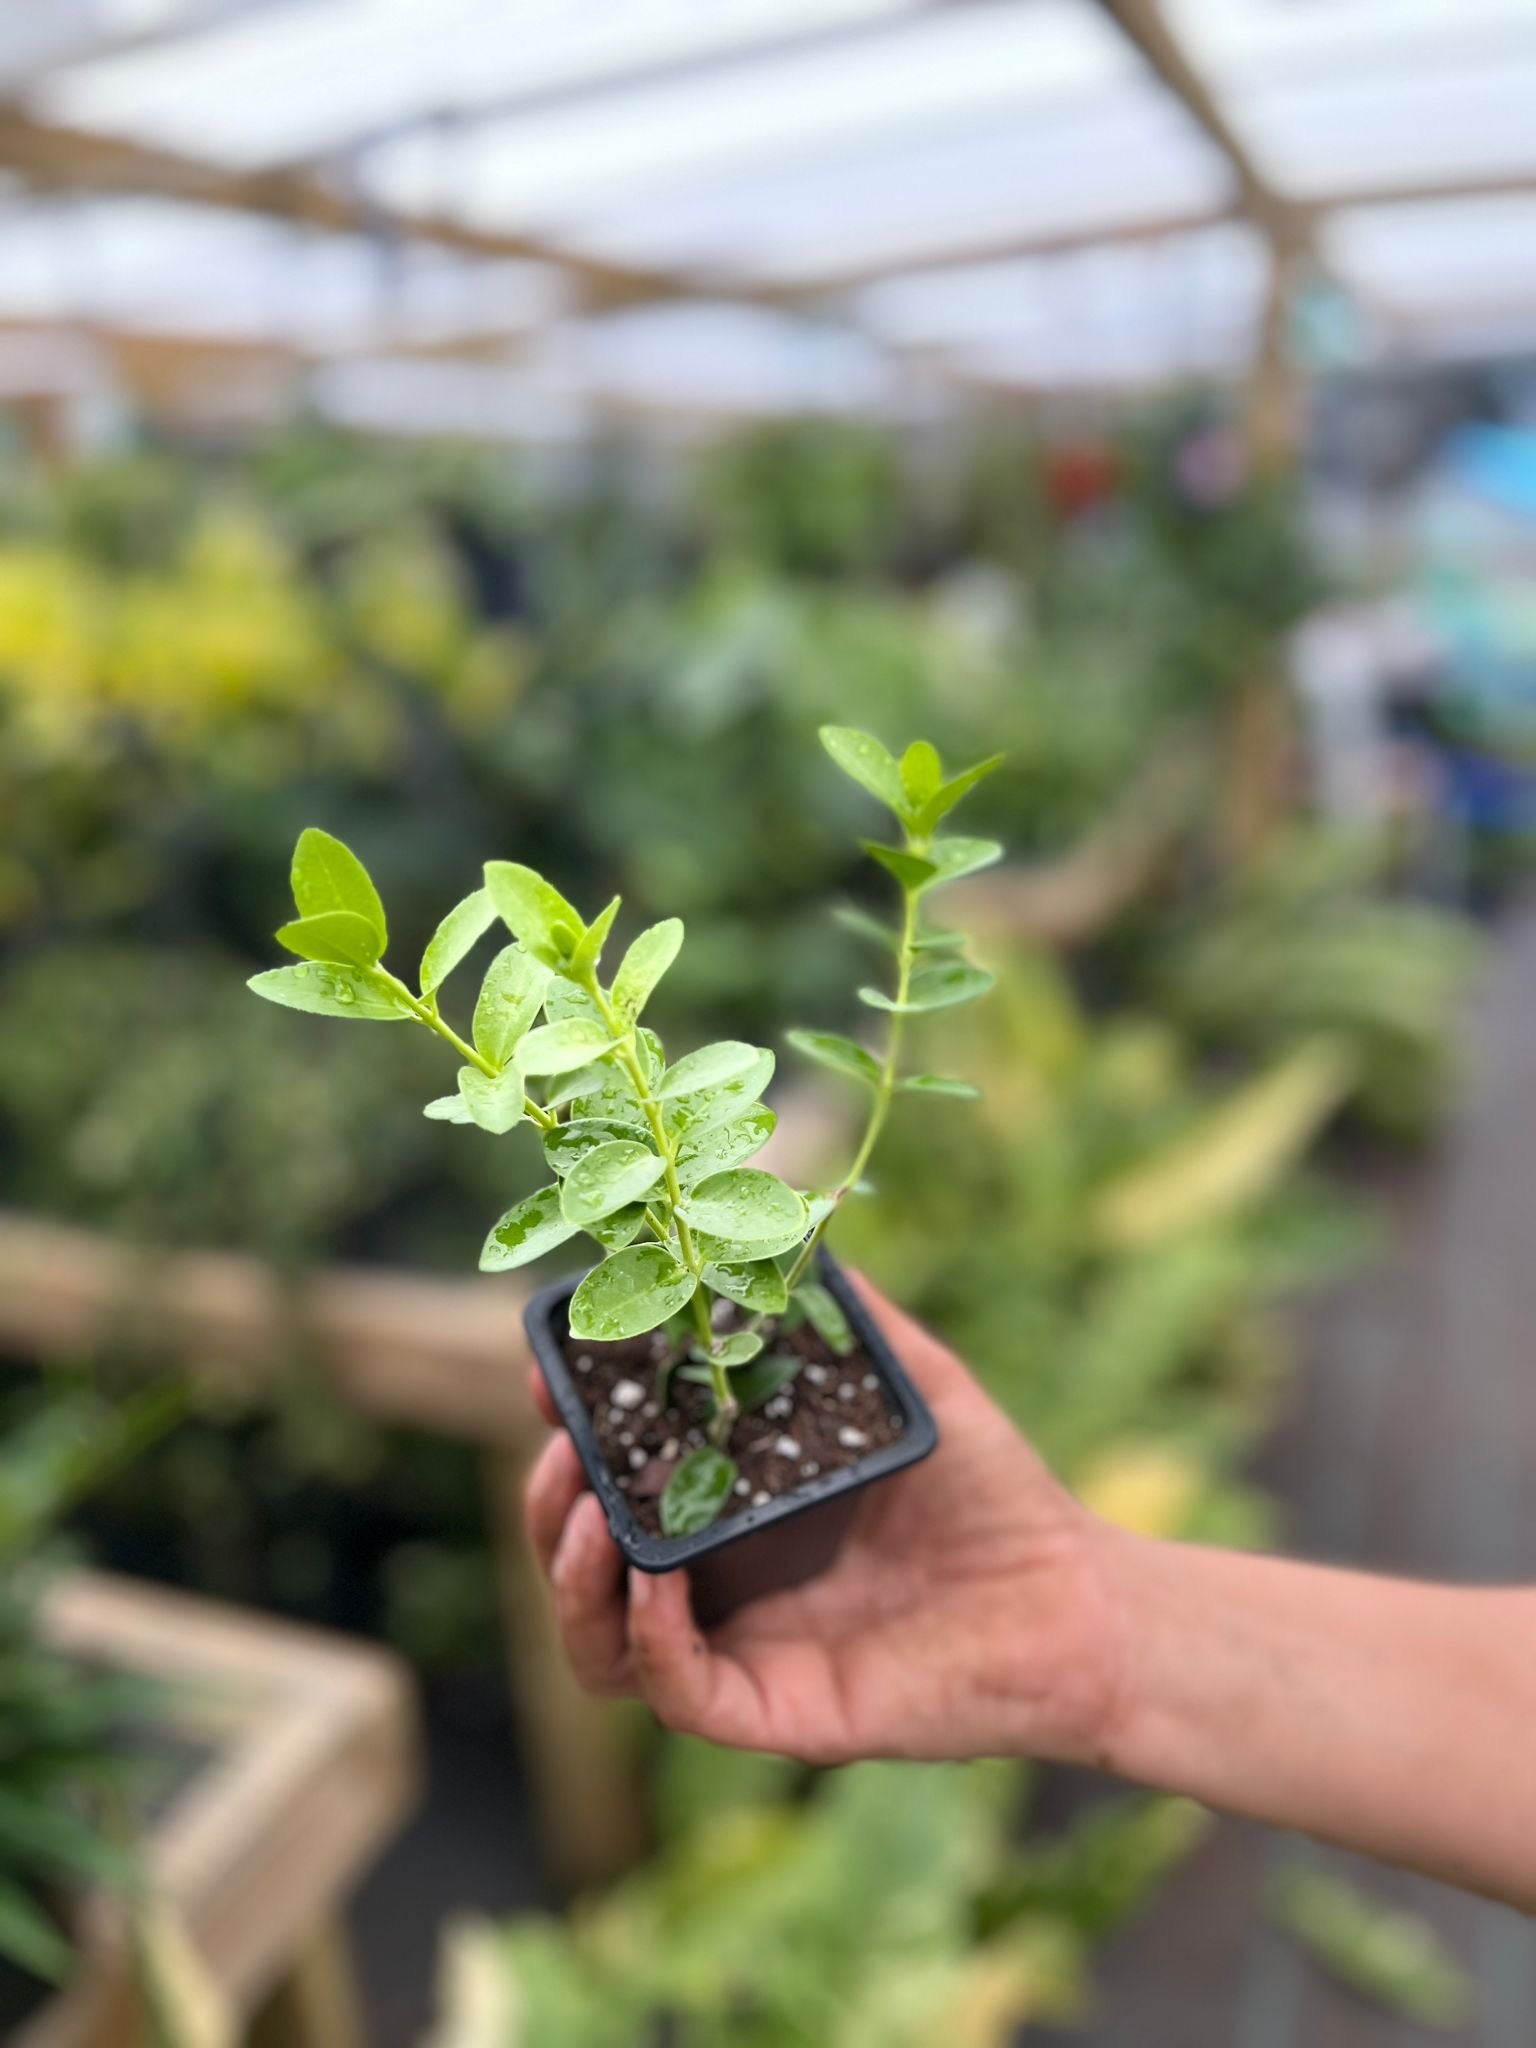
726, 1404
885, 1090
426, 1013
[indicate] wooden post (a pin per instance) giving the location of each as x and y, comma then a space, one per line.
582, 1754
316, 2005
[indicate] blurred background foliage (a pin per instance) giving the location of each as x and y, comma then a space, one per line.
616, 674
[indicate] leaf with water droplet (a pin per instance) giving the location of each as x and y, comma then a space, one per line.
629, 1294
722, 1145
702, 1108
510, 998
609, 1177
644, 964
534, 1226
334, 935
755, 1284
567, 1143
330, 991
454, 938
329, 876
865, 761
534, 911
495, 1101
560, 1048
746, 1205
696, 1492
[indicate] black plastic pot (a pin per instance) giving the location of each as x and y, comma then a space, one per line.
761, 1550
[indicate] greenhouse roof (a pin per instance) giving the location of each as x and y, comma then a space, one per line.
503, 205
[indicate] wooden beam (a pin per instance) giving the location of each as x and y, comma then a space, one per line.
1287, 222
81, 160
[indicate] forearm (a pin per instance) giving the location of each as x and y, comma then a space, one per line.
1394, 1718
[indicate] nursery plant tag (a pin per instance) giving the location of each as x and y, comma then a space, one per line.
630, 1293
696, 1492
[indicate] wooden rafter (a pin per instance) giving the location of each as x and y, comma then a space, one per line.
76, 159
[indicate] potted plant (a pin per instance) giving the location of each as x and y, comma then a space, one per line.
727, 1392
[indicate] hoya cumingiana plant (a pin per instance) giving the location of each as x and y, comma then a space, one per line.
645, 1155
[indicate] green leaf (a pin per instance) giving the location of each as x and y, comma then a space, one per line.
910, 869
921, 773
609, 1177
567, 1143
30, 1939
934, 988
449, 1109
55, 1840
643, 966
746, 1205
763, 1378
715, 1250
944, 798
534, 911
560, 1048
853, 919
454, 937
702, 1108
329, 990
534, 1226
339, 935
621, 1228
329, 876
1395, 1957
510, 997
723, 1145
938, 1084
755, 1284
736, 1349
696, 1492
712, 1066
953, 858
564, 999
865, 761
937, 942
600, 1093
629, 1294
825, 1316
590, 950
494, 1101
831, 1049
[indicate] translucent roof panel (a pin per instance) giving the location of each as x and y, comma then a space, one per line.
153, 265
928, 70
1129, 313
1442, 261
308, 80
1379, 93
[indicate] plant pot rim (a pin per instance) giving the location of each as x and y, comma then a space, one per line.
918, 1438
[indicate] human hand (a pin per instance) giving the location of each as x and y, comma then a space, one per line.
967, 1614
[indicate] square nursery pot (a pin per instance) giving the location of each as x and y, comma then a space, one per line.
761, 1549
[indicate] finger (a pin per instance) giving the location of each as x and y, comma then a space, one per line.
684, 1684
588, 1580
554, 1485
543, 1400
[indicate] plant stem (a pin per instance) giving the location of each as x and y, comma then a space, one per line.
885, 1090
426, 1013
726, 1404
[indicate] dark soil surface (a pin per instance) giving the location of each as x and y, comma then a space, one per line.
834, 1412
